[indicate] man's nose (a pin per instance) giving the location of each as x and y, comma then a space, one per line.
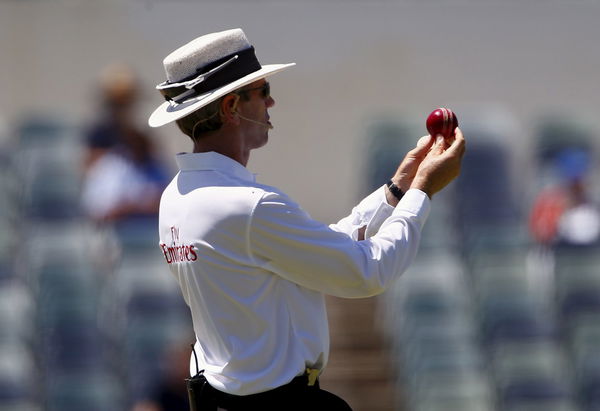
270, 102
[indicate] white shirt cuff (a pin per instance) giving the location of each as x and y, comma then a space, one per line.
415, 202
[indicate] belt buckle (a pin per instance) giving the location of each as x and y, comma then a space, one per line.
312, 374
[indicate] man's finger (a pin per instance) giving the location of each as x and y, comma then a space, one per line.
423, 146
439, 146
458, 145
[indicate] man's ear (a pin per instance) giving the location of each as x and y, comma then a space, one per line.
229, 108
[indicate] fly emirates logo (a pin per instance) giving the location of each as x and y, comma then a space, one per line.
177, 253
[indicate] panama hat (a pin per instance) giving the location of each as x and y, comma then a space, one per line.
206, 69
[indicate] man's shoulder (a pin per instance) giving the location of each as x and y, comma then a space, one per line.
242, 194
256, 195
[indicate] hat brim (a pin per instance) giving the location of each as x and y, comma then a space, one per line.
168, 112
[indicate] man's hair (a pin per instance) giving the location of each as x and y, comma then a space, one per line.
205, 119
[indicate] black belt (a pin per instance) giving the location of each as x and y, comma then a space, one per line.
203, 397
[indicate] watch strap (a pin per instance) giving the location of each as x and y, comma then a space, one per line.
395, 190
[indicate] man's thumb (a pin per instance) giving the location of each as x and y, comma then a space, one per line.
423, 146
423, 141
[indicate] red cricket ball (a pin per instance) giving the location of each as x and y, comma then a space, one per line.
442, 121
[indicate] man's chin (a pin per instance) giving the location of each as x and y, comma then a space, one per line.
264, 141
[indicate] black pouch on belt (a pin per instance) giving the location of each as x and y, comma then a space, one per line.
200, 394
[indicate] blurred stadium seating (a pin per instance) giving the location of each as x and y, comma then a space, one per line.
86, 312
482, 321
485, 319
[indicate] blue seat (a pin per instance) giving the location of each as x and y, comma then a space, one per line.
53, 194
50, 179
11, 390
82, 391
580, 301
555, 134
388, 142
70, 346
478, 201
514, 326
533, 390
153, 303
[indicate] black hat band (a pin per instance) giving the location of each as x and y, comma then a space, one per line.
212, 76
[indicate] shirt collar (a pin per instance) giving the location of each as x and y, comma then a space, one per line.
213, 161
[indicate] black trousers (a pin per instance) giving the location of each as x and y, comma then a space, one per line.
297, 395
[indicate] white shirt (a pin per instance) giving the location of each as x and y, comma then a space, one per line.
253, 267
114, 181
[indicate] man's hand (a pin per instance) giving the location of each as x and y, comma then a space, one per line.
441, 165
407, 170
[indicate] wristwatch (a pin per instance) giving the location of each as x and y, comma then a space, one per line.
395, 190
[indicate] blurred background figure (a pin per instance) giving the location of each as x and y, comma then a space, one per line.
564, 214
123, 174
168, 392
85, 313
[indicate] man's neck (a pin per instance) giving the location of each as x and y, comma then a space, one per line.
227, 144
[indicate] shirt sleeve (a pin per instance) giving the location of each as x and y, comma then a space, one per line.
370, 212
284, 240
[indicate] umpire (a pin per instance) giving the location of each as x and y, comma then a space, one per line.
252, 265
